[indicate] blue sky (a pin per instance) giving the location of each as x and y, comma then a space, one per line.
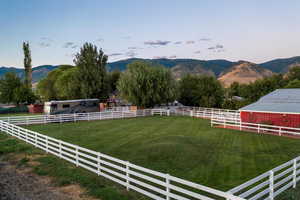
254, 30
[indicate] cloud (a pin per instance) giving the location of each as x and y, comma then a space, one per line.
157, 43
159, 57
217, 47
69, 45
134, 48
115, 54
190, 42
172, 57
45, 42
197, 52
126, 37
100, 40
131, 54
205, 39
178, 42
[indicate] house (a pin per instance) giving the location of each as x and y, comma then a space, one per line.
280, 107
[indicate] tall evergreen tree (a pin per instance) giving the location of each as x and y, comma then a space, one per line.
92, 75
27, 64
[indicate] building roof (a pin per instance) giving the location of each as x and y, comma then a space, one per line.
71, 101
278, 101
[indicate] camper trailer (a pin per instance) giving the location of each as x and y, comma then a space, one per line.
71, 106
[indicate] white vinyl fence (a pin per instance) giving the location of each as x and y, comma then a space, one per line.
148, 182
151, 183
60, 118
213, 112
236, 123
272, 183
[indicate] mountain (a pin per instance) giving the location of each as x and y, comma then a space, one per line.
281, 65
214, 67
223, 69
37, 72
243, 72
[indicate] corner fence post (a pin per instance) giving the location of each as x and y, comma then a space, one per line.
295, 173
271, 185
127, 176
167, 186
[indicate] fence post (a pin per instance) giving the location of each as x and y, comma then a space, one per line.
60, 150
88, 115
167, 186
74, 117
77, 162
191, 113
258, 128
98, 164
60, 118
127, 176
47, 144
271, 185
295, 173
279, 131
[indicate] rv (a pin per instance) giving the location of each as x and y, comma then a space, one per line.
71, 106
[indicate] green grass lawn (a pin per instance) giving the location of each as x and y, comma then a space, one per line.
181, 146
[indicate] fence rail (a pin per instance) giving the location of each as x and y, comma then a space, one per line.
230, 122
272, 183
153, 184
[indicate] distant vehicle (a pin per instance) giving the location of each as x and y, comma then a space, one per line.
71, 106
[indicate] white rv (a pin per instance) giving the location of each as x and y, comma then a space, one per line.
71, 106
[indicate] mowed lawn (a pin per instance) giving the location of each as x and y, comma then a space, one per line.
181, 146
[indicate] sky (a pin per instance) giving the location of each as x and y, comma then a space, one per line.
256, 30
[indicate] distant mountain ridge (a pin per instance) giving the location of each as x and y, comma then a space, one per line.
243, 72
180, 67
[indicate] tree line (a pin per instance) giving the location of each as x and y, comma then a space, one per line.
144, 84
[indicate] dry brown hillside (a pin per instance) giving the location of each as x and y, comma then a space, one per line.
244, 72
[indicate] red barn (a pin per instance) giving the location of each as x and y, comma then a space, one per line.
281, 108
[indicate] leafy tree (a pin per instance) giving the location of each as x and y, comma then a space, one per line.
47, 87
293, 84
293, 73
114, 76
66, 84
23, 94
27, 64
92, 74
203, 91
146, 85
12, 90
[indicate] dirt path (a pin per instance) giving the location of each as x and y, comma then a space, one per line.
22, 184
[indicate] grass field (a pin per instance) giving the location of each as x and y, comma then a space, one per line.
181, 146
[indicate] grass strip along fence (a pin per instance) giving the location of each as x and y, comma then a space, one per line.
148, 182
151, 183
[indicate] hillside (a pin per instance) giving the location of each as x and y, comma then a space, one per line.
215, 67
244, 72
180, 67
37, 72
281, 65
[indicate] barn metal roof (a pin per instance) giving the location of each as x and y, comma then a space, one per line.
278, 101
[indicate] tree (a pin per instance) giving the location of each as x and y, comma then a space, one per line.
293, 73
48, 89
12, 90
27, 64
146, 85
66, 84
204, 91
114, 76
92, 74
293, 84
